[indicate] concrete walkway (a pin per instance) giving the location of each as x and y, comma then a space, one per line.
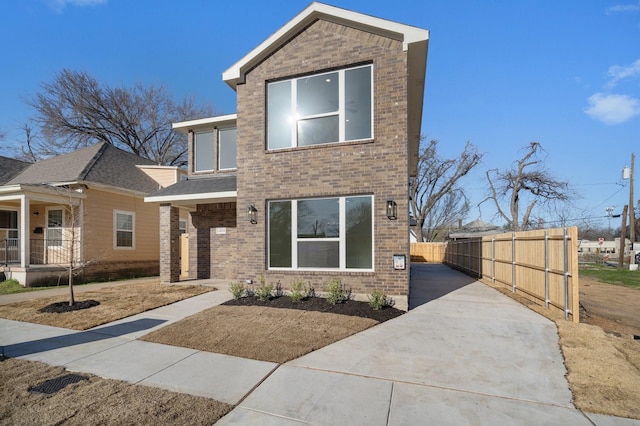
464, 355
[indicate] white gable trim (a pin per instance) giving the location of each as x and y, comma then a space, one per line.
405, 33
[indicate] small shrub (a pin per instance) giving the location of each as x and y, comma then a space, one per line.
298, 290
237, 290
264, 290
336, 292
278, 291
378, 300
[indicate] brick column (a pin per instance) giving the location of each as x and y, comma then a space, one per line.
169, 244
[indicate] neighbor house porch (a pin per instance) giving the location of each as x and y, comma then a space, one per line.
40, 228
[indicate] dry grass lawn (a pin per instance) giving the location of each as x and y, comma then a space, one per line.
95, 401
261, 333
603, 369
115, 303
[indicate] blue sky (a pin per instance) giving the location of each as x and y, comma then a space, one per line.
500, 73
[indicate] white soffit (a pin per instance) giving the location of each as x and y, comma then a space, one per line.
205, 123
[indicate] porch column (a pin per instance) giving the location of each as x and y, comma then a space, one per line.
24, 234
169, 244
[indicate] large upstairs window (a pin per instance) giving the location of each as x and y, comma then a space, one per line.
324, 108
322, 233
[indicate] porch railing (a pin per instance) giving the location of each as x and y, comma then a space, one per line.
41, 251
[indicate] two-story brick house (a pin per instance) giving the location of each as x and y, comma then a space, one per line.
309, 180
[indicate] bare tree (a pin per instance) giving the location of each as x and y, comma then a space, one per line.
524, 186
433, 199
74, 110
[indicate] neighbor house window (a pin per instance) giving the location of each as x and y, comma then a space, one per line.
330, 107
214, 150
321, 233
8, 224
124, 229
55, 224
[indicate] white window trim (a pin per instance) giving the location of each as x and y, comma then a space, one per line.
17, 211
340, 113
115, 230
47, 227
342, 239
195, 151
217, 145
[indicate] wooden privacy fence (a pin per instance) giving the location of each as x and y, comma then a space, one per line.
428, 252
542, 264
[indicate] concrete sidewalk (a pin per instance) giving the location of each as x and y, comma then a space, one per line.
465, 354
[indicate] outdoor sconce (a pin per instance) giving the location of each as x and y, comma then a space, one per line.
392, 210
36, 213
251, 214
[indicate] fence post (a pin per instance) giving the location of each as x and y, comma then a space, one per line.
513, 262
493, 260
480, 258
566, 276
546, 269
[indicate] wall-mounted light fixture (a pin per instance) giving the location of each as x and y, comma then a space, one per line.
392, 209
36, 213
251, 214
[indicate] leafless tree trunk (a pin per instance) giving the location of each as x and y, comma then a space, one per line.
525, 185
436, 198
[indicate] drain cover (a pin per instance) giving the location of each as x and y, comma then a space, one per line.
54, 385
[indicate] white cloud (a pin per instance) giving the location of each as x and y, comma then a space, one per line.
59, 5
624, 8
617, 73
612, 109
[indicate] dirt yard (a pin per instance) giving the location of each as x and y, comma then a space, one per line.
277, 331
614, 308
115, 303
92, 400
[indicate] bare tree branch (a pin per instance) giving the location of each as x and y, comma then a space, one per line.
73, 110
433, 199
526, 185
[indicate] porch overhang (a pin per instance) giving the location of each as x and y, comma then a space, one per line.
197, 190
40, 193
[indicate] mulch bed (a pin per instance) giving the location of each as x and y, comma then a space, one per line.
319, 304
60, 307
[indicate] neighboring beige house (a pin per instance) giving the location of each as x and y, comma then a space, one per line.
309, 179
86, 207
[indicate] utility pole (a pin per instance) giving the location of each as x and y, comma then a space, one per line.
623, 236
632, 213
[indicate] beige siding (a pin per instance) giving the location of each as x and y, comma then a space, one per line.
99, 227
165, 176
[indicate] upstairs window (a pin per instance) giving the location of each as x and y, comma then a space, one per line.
324, 108
214, 150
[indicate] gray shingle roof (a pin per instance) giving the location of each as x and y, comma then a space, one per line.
200, 185
101, 163
10, 167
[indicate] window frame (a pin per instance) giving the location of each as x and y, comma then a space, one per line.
341, 239
12, 231
60, 228
215, 149
218, 150
340, 113
116, 230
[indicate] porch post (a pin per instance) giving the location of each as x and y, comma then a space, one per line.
24, 234
169, 244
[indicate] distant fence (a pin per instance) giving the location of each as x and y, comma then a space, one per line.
542, 264
428, 252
